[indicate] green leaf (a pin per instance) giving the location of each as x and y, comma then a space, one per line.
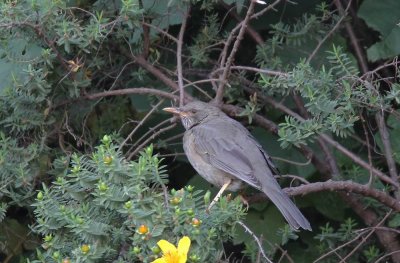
395, 221
387, 48
380, 15
168, 14
15, 56
383, 16
307, 252
329, 204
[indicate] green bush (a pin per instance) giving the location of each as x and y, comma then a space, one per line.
316, 84
102, 207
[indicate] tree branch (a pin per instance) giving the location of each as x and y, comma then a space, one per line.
231, 58
179, 57
387, 148
249, 30
337, 145
353, 39
322, 41
346, 186
128, 91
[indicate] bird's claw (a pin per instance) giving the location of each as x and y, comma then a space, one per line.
245, 202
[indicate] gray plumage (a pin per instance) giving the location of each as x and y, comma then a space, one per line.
220, 148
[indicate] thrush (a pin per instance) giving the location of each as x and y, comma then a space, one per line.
224, 153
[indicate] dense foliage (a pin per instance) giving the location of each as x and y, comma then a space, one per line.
91, 169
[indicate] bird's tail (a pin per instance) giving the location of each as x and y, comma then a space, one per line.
288, 209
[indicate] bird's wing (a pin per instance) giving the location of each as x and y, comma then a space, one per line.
227, 148
267, 158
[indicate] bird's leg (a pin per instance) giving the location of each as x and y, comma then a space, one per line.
244, 201
216, 198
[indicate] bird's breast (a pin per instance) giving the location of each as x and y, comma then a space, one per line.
213, 175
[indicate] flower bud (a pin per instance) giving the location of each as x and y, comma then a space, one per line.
85, 249
143, 229
196, 222
156, 250
128, 204
136, 250
175, 200
40, 196
107, 160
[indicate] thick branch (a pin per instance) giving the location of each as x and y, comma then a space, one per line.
344, 186
348, 187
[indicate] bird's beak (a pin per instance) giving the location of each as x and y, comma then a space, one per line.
176, 111
172, 110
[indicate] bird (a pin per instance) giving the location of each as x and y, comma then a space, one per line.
225, 154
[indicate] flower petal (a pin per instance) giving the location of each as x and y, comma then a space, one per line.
183, 249
159, 260
184, 244
166, 247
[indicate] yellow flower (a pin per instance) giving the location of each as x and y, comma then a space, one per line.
171, 254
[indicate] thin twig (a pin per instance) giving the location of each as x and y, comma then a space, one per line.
231, 58
258, 70
353, 39
359, 161
128, 91
394, 63
140, 124
322, 41
290, 161
188, 81
293, 177
149, 139
262, 12
337, 145
151, 130
261, 249
387, 255
161, 31
249, 30
365, 238
333, 251
284, 255
119, 74
199, 82
179, 57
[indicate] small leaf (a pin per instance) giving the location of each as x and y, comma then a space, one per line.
395, 221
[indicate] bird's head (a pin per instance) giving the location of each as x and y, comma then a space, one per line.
194, 113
